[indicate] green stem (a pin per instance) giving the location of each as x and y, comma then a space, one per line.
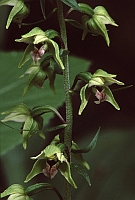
68, 102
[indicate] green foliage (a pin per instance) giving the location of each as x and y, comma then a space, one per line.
49, 59
11, 94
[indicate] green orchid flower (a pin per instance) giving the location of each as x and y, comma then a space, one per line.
16, 192
19, 11
100, 79
49, 162
31, 119
37, 37
30, 124
95, 21
38, 73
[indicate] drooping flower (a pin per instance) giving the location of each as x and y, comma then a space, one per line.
49, 162
95, 21
38, 37
16, 192
31, 119
100, 79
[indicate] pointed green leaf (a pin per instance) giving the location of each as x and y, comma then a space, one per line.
64, 168
15, 188
86, 9
37, 169
17, 7
77, 24
42, 5
34, 189
71, 3
78, 156
26, 55
81, 170
40, 110
50, 33
90, 147
84, 95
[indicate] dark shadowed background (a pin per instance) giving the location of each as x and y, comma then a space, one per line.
113, 160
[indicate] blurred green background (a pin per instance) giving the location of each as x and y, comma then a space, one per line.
112, 162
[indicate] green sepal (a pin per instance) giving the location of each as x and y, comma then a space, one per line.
90, 147
54, 50
40, 110
86, 9
103, 14
97, 26
65, 170
8, 2
36, 77
81, 170
51, 150
26, 55
15, 188
18, 114
30, 127
35, 31
71, 3
50, 33
108, 78
84, 76
38, 187
15, 10
85, 19
78, 156
110, 97
78, 25
85, 93
37, 169
51, 76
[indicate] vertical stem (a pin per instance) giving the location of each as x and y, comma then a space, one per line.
68, 102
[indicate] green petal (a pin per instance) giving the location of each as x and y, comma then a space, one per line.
84, 95
102, 73
51, 150
99, 28
26, 55
33, 32
86, 9
54, 49
64, 168
110, 98
37, 169
17, 7
15, 188
103, 14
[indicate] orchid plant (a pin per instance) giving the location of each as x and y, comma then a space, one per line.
48, 60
